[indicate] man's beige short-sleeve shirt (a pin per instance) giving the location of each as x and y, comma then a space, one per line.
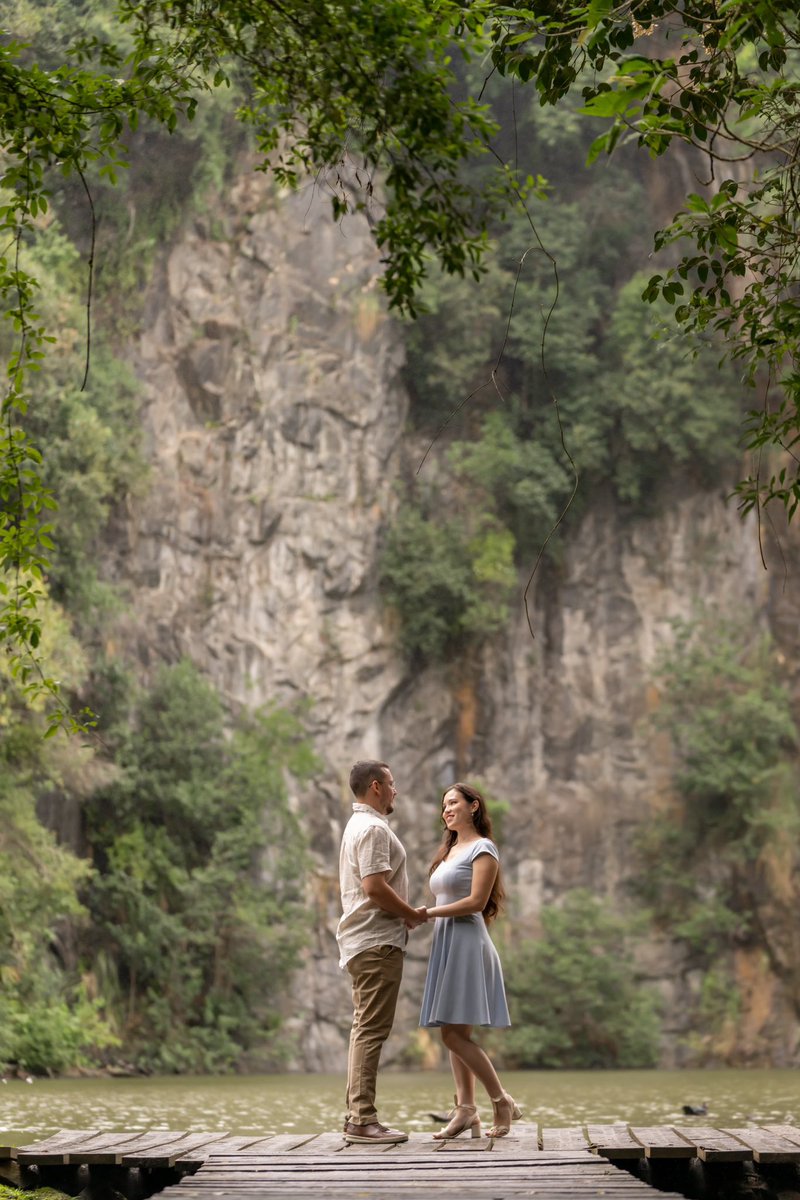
369, 848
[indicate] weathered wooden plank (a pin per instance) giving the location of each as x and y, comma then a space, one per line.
767, 1147
525, 1133
259, 1145
714, 1145
421, 1143
488, 1168
419, 1181
662, 1141
112, 1148
193, 1157
468, 1172
169, 1154
422, 1186
524, 1139
569, 1137
790, 1132
614, 1141
538, 1159
609, 1183
483, 1186
52, 1150
366, 1192
58, 1139
563, 1191
291, 1164
331, 1167
107, 1148
418, 1143
385, 1178
322, 1143
284, 1143
425, 1181
397, 1169
243, 1144
7, 1151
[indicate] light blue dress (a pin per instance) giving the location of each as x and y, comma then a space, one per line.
464, 985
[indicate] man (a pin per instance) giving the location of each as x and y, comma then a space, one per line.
372, 936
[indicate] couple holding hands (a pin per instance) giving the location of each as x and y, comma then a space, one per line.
464, 985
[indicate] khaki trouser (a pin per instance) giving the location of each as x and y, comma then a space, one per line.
375, 974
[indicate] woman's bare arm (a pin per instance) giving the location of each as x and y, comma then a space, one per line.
484, 873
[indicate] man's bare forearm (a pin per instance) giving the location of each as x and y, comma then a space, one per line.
387, 899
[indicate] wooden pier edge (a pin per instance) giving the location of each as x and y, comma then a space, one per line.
614, 1161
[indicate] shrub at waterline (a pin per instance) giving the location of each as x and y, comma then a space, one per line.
575, 995
197, 900
716, 866
170, 945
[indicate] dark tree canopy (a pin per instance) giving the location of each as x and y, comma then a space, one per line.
372, 98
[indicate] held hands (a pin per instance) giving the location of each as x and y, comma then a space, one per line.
421, 918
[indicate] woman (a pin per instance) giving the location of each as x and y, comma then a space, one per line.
464, 986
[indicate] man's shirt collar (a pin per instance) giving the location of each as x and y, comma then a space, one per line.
367, 808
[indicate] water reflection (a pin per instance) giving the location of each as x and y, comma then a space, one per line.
261, 1104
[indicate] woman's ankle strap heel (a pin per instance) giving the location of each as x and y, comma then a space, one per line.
506, 1110
465, 1117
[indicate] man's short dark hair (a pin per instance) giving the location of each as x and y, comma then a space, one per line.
363, 773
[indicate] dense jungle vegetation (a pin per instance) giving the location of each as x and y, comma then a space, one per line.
162, 933
109, 954
352, 93
590, 384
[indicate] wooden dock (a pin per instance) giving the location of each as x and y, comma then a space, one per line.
615, 1162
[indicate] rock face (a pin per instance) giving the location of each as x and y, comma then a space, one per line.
274, 423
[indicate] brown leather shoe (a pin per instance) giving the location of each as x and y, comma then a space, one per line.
374, 1132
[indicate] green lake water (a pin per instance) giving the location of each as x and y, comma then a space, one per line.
263, 1104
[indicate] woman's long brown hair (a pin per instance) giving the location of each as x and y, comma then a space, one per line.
483, 824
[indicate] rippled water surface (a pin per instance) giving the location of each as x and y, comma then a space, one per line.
314, 1103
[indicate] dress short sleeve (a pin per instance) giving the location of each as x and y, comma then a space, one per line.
484, 846
372, 851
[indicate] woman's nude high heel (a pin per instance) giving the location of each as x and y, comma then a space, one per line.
465, 1116
505, 1110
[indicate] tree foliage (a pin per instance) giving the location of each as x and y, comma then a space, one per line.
575, 996
637, 409
731, 756
47, 1021
449, 580
722, 80
171, 940
197, 900
92, 431
65, 979
703, 859
365, 93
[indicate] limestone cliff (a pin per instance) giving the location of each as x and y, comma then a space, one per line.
274, 419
